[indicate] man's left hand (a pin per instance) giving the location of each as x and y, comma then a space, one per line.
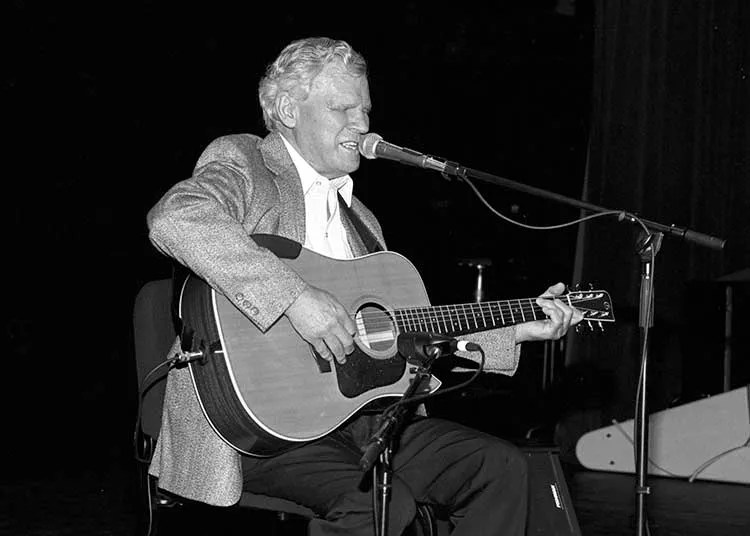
560, 316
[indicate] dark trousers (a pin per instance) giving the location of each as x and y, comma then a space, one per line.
480, 480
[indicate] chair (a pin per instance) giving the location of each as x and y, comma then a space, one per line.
154, 332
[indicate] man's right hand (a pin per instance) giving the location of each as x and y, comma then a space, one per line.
322, 321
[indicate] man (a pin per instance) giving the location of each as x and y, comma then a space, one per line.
315, 101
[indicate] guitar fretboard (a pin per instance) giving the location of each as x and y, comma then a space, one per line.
460, 319
466, 318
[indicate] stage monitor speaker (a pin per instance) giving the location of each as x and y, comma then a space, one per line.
707, 439
551, 511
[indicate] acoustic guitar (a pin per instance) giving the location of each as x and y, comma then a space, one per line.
267, 392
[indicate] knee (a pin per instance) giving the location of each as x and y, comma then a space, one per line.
506, 463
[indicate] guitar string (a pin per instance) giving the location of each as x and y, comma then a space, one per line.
432, 316
440, 326
486, 308
437, 317
526, 302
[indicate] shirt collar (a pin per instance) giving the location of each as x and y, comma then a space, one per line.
344, 184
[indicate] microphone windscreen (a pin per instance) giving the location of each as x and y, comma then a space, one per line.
367, 145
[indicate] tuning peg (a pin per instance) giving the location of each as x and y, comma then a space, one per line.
591, 328
601, 327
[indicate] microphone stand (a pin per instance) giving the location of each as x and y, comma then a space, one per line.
648, 250
382, 442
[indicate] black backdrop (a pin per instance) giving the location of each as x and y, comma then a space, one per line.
670, 140
108, 105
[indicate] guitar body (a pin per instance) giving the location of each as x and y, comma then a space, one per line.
264, 393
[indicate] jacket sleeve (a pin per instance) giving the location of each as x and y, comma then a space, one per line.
502, 354
205, 223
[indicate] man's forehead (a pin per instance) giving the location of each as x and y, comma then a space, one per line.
336, 75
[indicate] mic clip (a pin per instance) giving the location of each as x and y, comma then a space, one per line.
423, 348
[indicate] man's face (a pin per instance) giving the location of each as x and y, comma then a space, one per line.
331, 120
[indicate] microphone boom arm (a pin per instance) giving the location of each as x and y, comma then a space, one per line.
701, 239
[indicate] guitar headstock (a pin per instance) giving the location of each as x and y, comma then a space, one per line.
596, 306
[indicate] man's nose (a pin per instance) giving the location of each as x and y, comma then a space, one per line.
360, 122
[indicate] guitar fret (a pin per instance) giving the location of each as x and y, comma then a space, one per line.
410, 319
482, 316
474, 316
533, 308
492, 317
520, 306
433, 318
415, 319
430, 321
437, 319
457, 318
399, 322
426, 319
445, 324
500, 310
402, 318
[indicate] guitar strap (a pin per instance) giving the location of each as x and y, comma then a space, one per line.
365, 234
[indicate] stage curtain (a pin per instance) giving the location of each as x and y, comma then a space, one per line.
670, 141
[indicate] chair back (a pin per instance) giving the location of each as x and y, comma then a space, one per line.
154, 334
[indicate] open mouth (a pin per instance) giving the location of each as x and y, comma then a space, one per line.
350, 146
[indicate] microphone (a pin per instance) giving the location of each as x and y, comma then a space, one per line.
374, 146
424, 346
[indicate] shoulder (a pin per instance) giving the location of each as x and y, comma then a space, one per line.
237, 150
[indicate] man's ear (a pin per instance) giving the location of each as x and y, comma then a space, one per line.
286, 110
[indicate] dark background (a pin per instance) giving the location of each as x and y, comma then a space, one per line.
109, 104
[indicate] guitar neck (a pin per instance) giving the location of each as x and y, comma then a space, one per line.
464, 318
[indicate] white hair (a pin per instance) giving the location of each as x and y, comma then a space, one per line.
297, 65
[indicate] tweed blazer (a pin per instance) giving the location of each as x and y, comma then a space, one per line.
242, 184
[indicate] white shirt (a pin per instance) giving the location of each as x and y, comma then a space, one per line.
324, 232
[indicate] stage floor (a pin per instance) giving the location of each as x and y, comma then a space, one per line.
101, 498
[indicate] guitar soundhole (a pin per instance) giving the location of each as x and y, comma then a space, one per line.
376, 332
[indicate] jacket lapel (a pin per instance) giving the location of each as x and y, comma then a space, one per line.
361, 239
291, 196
